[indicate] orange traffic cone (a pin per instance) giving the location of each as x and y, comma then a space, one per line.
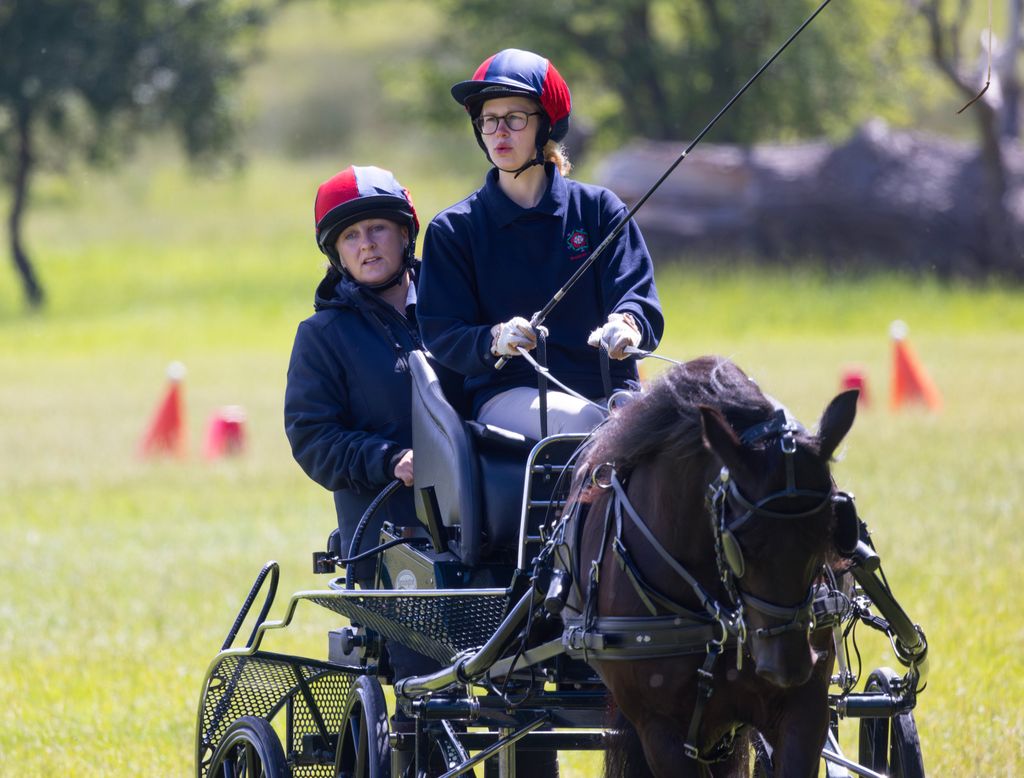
855, 378
225, 432
910, 381
166, 431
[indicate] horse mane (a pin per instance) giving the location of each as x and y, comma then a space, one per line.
665, 419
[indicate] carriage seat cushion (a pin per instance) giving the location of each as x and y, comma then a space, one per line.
489, 435
502, 458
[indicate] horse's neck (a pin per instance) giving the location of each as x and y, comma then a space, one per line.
670, 495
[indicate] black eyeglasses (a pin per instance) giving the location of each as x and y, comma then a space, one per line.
514, 120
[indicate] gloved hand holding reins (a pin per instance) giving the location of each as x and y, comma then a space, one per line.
617, 334
509, 336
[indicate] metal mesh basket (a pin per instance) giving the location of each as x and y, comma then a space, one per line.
436, 623
261, 685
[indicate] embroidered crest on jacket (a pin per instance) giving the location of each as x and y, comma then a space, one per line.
578, 243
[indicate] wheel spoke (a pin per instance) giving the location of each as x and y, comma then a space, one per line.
249, 759
362, 751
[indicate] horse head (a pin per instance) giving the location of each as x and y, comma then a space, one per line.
773, 520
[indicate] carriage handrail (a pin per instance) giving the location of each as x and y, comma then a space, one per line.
472, 666
273, 570
531, 469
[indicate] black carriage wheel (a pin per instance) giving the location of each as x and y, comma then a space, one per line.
889, 745
363, 747
249, 749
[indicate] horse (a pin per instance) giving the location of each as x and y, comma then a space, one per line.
703, 517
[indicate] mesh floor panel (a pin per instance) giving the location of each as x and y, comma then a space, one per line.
435, 625
262, 686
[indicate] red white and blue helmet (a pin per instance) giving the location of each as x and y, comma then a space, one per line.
515, 73
358, 193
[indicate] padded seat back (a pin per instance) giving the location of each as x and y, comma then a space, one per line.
445, 464
469, 474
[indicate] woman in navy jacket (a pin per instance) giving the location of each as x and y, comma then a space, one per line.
347, 401
494, 258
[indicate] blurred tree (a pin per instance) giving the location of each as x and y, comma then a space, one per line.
945, 23
662, 68
1008, 71
85, 77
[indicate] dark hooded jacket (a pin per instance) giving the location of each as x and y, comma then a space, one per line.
347, 402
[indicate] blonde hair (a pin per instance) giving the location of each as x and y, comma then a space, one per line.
555, 152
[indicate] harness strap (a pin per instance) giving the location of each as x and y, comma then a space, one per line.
632, 574
590, 606
630, 638
758, 508
542, 380
606, 370
779, 611
706, 601
800, 618
646, 590
705, 688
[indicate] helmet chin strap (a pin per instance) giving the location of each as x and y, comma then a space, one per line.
387, 284
537, 160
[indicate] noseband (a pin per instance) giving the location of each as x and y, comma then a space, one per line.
725, 493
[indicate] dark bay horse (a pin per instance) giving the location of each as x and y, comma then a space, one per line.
709, 519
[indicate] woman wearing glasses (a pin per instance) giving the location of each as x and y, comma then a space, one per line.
496, 257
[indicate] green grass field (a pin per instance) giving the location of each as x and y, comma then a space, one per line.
120, 577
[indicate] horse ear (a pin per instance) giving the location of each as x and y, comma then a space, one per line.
720, 439
836, 422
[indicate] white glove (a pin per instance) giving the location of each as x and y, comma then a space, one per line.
509, 336
617, 334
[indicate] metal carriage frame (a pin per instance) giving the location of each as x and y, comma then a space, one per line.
469, 608
333, 718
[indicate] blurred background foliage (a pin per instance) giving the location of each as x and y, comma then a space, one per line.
297, 79
661, 69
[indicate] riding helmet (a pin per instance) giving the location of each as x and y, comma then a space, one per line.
514, 73
357, 193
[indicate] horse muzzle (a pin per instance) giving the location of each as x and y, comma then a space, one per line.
785, 661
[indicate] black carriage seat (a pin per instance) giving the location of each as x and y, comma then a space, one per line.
454, 460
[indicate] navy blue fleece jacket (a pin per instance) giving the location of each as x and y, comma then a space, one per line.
486, 259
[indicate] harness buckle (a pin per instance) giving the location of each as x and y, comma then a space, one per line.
595, 478
691, 751
788, 440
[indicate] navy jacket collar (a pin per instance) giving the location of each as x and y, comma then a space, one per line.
552, 202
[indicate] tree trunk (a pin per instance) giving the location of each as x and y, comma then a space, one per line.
1011, 83
1002, 238
23, 167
